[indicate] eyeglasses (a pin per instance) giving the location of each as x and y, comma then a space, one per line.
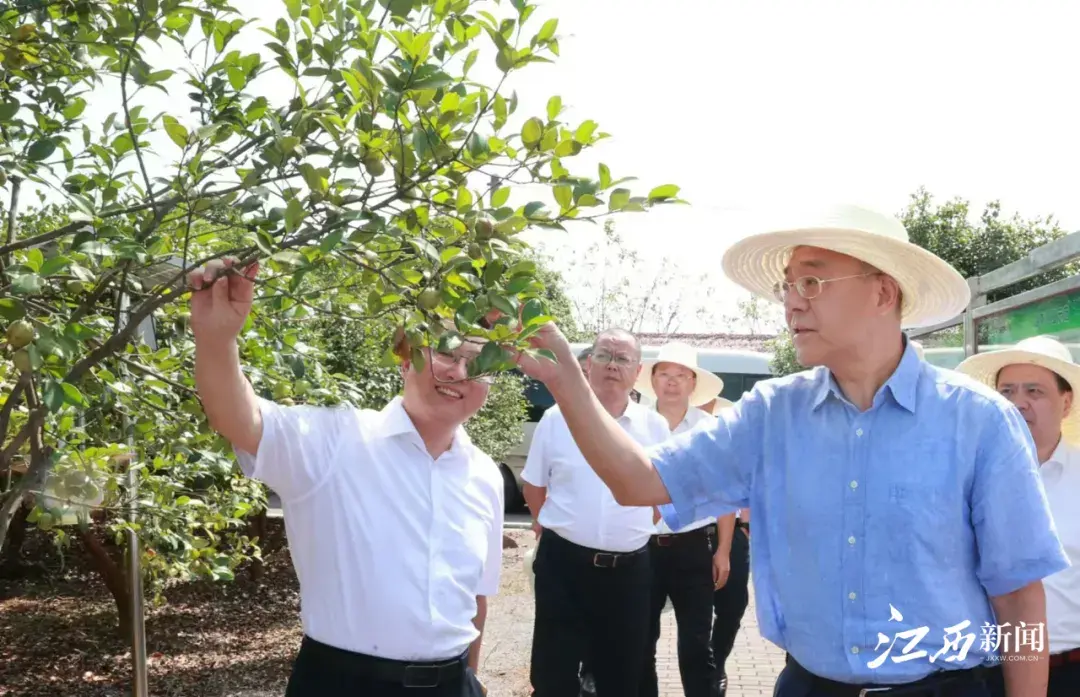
620, 361
675, 377
810, 287
448, 361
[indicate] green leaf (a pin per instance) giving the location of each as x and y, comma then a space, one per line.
605, 176
532, 310
499, 197
75, 108
175, 130
72, 394
424, 247
8, 109
54, 265
548, 30
585, 131
294, 215
34, 259
41, 149
619, 199
505, 305
295, 8
532, 132
554, 107
665, 191
564, 194
281, 30
96, 248
450, 102
53, 396
315, 13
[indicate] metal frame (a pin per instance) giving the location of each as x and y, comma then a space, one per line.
1045, 258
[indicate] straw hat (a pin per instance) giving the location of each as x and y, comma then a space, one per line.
933, 290
721, 404
1042, 351
707, 386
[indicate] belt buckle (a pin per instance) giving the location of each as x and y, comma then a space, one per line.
873, 690
612, 556
664, 540
421, 672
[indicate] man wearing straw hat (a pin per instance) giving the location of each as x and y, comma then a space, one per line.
1041, 378
898, 506
688, 564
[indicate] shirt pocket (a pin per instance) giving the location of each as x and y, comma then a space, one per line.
925, 507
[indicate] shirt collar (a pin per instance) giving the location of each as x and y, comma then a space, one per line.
902, 384
396, 422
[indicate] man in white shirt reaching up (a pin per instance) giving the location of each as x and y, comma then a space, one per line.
394, 517
592, 561
690, 563
1040, 377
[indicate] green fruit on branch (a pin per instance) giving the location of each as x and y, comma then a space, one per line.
20, 333
281, 391
288, 402
302, 387
476, 251
484, 229
374, 166
75, 287
22, 361
429, 299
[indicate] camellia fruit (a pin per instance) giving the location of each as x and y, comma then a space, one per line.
429, 299
484, 229
22, 361
20, 333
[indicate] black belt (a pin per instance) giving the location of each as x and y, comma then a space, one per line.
596, 557
669, 539
405, 673
924, 687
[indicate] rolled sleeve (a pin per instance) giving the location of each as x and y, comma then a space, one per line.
1017, 541
296, 450
708, 470
537, 470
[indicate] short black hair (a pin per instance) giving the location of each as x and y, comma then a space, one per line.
585, 353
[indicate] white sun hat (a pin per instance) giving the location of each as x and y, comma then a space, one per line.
721, 404
707, 386
1043, 351
933, 290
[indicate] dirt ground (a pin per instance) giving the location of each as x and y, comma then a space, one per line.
58, 637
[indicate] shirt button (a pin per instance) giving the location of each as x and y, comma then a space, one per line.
854, 484
851, 596
854, 649
851, 540
858, 431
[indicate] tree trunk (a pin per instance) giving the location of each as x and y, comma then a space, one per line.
259, 530
12, 565
112, 573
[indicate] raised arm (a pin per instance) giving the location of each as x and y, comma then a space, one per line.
617, 459
218, 311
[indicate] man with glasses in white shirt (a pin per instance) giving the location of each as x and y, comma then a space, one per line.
394, 516
592, 568
1041, 378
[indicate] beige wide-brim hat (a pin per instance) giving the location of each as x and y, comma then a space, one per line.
1042, 351
720, 405
933, 291
706, 387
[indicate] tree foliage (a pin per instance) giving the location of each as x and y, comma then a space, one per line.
358, 155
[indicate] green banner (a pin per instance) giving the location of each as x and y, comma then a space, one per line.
1058, 316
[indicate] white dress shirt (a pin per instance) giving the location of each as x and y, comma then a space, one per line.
390, 546
579, 506
1061, 479
694, 418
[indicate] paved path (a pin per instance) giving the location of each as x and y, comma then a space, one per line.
752, 667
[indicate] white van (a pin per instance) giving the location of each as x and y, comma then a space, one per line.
739, 369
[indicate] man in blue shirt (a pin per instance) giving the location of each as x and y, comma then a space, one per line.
900, 516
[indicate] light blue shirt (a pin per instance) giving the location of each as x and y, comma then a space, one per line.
928, 503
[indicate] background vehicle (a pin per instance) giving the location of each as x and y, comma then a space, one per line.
739, 369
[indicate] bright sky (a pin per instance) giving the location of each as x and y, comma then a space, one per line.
756, 106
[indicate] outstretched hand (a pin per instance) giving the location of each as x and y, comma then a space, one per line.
221, 299
543, 368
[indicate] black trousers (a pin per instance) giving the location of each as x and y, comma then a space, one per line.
588, 603
1064, 681
682, 571
326, 671
729, 602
